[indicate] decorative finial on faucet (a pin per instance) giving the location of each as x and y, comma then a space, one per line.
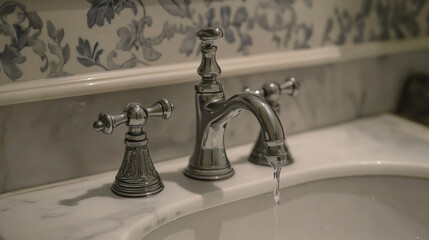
210, 33
209, 70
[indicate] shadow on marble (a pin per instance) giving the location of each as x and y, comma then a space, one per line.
195, 186
103, 191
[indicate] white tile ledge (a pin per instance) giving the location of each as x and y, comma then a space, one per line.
103, 82
382, 145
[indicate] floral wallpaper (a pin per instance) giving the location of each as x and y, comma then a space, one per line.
47, 39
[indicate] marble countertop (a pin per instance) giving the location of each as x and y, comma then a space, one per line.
87, 209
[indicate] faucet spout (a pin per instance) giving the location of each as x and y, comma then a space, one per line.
272, 129
209, 160
270, 123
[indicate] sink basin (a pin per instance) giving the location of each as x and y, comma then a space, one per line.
364, 207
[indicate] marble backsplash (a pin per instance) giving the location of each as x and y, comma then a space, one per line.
54, 38
49, 141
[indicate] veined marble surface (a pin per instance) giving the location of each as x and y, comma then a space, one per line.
86, 208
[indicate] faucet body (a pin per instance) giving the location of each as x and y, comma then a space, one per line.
214, 111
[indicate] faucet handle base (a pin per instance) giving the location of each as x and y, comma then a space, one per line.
124, 189
137, 176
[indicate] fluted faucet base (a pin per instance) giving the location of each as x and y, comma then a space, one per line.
209, 175
216, 166
125, 189
137, 176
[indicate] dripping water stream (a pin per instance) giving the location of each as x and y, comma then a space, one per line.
277, 168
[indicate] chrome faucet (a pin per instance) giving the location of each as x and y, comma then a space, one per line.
209, 160
271, 92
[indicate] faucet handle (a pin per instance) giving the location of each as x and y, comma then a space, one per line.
107, 122
134, 115
163, 108
137, 176
290, 86
272, 91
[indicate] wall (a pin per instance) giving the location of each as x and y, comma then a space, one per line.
48, 39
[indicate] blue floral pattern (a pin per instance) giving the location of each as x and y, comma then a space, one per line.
21, 29
395, 19
25, 32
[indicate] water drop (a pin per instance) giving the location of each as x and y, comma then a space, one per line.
277, 167
277, 170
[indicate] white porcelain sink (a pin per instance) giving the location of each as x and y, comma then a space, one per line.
382, 208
